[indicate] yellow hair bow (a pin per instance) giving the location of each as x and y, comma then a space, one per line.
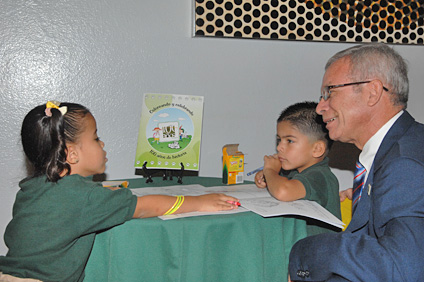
55, 105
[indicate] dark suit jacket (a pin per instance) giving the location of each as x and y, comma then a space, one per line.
385, 239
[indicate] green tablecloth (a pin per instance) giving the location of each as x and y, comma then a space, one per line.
217, 248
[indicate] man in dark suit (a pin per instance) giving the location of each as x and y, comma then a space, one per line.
363, 101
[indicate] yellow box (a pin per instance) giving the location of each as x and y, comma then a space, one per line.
346, 208
232, 164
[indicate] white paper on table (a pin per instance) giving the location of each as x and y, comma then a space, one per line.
185, 190
245, 191
251, 198
269, 206
190, 214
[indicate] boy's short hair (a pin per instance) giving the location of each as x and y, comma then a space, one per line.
304, 117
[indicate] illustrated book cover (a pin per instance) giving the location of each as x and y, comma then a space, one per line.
170, 132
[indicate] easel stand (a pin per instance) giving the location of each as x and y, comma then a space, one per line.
165, 172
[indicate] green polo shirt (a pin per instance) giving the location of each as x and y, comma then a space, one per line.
321, 186
54, 225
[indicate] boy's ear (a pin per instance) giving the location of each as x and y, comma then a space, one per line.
318, 149
72, 155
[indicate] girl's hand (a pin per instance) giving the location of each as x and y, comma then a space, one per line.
345, 194
260, 179
216, 202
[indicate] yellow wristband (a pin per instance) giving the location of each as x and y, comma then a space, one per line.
176, 205
173, 206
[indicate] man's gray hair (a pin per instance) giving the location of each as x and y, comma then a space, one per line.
378, 61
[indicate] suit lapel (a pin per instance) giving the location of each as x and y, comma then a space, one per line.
395, 133
362, 213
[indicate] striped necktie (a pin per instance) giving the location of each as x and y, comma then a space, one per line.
358, 184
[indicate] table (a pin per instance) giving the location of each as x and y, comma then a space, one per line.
217, 248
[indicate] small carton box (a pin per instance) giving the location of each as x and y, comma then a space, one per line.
232, 164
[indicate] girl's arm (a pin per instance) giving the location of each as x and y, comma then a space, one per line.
156, 205
281, 187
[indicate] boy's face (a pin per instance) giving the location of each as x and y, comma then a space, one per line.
295, 150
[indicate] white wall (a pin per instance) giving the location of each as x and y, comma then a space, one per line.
106, 54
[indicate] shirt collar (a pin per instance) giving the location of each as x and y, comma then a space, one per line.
366, 157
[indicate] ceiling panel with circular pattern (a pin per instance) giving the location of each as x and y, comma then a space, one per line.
389, 21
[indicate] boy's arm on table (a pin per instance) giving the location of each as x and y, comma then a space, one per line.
279, 186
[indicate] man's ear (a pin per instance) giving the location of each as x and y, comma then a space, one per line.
72, 154
376, 90
318, 149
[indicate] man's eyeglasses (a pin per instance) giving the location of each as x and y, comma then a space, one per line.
326, 91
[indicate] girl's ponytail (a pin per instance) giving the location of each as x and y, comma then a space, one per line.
45, 132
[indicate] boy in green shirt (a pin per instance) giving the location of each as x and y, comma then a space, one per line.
300, 169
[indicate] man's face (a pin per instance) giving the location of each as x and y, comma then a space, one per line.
343, 112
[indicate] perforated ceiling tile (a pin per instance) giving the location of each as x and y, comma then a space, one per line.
387, 21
